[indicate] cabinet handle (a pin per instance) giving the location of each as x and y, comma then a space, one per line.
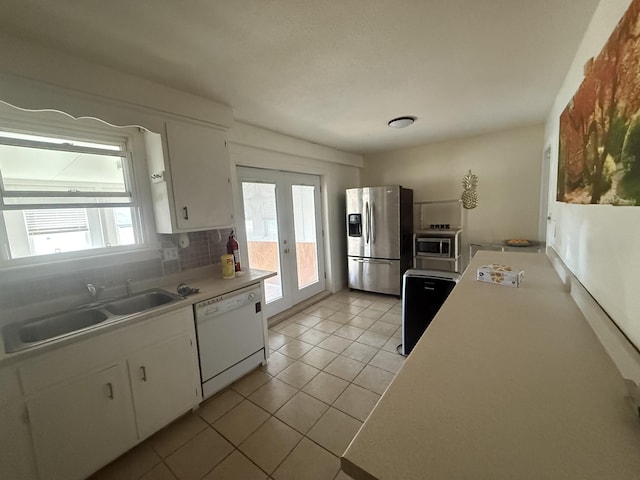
143, 371
25, 416
110, 390
185, 213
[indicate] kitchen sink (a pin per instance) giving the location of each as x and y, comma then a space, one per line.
20, 335
60, 324
140, 302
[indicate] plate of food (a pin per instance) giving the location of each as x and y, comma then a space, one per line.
519, 242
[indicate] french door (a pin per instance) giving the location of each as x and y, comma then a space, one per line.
282, 225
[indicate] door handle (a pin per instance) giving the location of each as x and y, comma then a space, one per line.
367, 222
368, 260
185, 213
143, 372
286, 250
110, 393
373, 222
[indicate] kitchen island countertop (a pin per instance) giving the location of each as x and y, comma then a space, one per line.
507, 383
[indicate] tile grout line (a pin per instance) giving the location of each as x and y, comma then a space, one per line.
231, 443
330, 405
299, 389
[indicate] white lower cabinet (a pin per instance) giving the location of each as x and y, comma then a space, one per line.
81, 424
15, 444
162, 388
82, 405
16, 451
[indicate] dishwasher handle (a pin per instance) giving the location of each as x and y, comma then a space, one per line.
210, 311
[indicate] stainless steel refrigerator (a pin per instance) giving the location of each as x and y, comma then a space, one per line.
379, 236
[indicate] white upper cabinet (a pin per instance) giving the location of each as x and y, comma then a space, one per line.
190, 178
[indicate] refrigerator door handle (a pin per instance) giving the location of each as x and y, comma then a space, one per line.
373, 222
367, 222
369, 260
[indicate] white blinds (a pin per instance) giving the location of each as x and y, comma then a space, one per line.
56, 220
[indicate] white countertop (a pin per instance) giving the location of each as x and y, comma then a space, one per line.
212, 285
208, 280
506, 383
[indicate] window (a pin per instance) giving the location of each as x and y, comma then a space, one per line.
66, 193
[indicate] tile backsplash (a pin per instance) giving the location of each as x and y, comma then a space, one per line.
205, 248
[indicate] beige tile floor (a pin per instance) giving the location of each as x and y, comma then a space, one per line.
292, 419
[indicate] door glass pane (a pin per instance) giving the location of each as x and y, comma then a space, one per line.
304, 217
261, 223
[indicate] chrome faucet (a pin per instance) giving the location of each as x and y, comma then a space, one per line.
93, 291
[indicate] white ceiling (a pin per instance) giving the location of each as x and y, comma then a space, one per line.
332, 71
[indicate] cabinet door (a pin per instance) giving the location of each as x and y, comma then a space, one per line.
165, 382
15, 444
79, 426
200, 173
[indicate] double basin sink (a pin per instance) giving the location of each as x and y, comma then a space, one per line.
20, 335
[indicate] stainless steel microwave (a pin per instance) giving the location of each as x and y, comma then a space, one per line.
434, 246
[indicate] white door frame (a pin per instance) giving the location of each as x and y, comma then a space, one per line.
286, 231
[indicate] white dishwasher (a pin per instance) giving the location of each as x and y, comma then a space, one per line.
231, 337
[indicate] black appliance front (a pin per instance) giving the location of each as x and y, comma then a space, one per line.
424, 292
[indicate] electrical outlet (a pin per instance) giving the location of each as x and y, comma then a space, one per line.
170, 253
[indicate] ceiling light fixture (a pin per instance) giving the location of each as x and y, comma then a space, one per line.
401, 122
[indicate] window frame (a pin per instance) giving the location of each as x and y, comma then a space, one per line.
57, 124
123, 153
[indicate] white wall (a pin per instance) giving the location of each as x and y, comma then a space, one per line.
89, 89
508, 164
600, 244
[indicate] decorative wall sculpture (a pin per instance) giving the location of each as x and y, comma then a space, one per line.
599, 151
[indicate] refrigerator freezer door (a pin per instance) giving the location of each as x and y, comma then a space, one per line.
374, 275
358, 241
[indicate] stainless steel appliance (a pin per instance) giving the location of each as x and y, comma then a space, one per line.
424, 292
231, 337
439, 243
379, 236
433, 246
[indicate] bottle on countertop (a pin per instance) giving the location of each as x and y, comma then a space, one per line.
232, 249
228, 270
